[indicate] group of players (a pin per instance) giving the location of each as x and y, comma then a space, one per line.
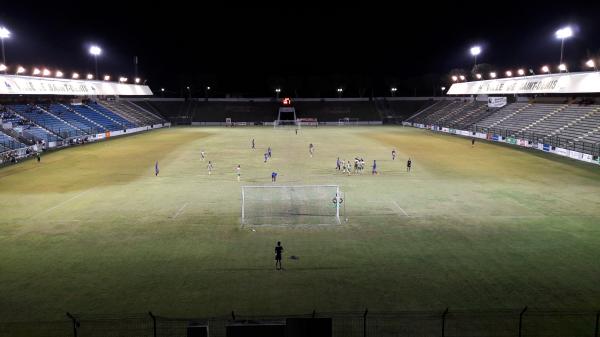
341, 165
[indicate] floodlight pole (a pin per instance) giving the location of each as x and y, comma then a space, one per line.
562, 47
3, 56
96, 63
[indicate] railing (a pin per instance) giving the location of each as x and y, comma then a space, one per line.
522, 322
556, 141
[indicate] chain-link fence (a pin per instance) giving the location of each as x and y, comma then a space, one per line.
452, 323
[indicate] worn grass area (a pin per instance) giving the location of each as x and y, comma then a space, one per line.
92, 230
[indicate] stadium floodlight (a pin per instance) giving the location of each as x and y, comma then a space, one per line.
475, 51
122, 79
462, 77
493, 74
4, 34
521, 72
508, 73
562, 67
46, 72
59, 73
478, 76
393, 90
36, 71
208, 87
20, 70
545, 69
95, 51
454, 78
137, 80
162, 89
562, 34
75, 76
90, 77
3, 67
591, 64
107, 77
443, 88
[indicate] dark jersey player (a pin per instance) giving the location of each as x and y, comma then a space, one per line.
408, 165
278, 252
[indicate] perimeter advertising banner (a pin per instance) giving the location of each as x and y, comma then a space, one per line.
30, 85
564, 83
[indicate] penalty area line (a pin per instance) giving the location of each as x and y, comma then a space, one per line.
179, 211
66, 201
400, 208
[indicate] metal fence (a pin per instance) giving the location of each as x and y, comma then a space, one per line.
556, 141
522, 322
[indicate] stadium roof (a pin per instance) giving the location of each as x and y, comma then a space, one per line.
29, 85
563, 83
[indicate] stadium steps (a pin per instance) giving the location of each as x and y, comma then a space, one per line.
578, 125
432, 108
8, 142
39, 128
124, 112
89, 106
514, 113
59, 119
154, 115
84, 117
546, 116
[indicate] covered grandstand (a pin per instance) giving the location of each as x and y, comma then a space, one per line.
556, 113
38, 114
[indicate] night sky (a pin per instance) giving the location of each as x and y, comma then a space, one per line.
307, 51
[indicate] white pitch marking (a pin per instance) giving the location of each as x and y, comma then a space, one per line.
66, 201
400, 208
180, 210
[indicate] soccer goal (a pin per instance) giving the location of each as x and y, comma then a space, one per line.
291, 205
348, 121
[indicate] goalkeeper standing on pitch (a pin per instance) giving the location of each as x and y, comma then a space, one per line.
278, 252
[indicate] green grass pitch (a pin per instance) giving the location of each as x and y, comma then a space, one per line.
92, 230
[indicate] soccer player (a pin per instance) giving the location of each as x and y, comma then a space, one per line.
156, 170
278, 252
408, 165
311, 149
269, 151
209, 167
338, 164
374, 171
394, 154
202, 154
349, 167
472, 142
266, 156
253, 147
238, 171
274, 177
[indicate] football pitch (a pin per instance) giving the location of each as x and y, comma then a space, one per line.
91, 229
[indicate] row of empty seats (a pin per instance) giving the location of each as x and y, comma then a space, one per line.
133, 112
572, 122
55, 121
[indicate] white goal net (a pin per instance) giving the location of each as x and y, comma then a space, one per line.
291, 205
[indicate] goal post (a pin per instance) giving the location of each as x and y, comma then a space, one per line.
291, 205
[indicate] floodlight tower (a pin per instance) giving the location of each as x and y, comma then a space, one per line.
562, 34
4, 34
475, 50
95, 51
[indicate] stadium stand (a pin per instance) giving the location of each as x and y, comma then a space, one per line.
115, 118
40, 116
562, 123
132, 112
9, 143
